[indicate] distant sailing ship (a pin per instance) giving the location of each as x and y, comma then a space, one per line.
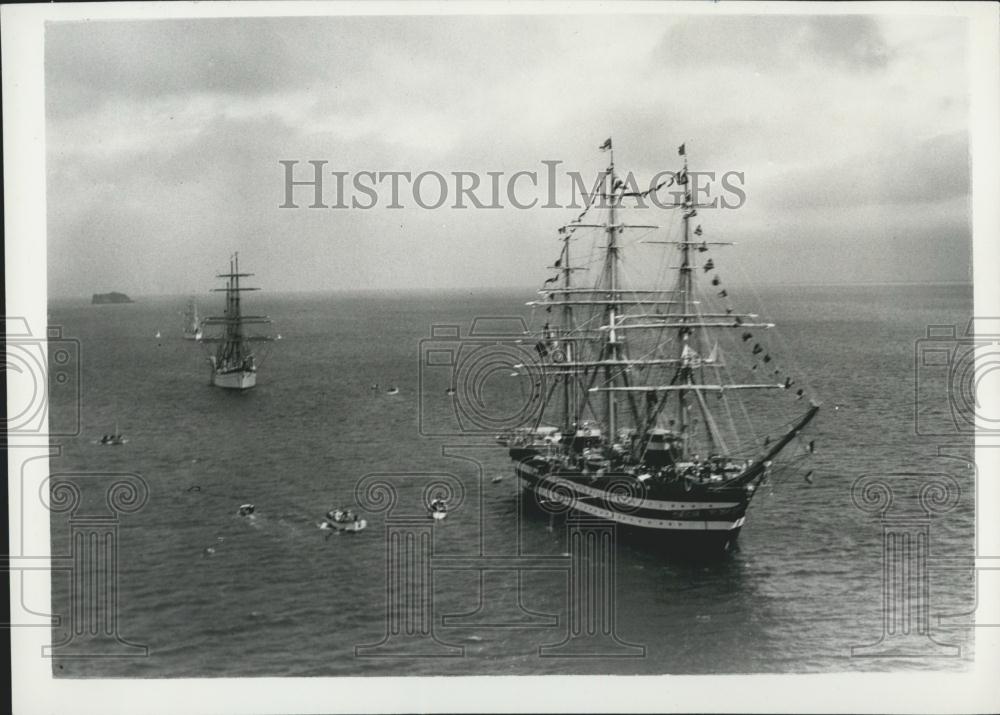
192, 326
629, 372
234, 365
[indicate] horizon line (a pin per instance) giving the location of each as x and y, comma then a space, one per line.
513, 289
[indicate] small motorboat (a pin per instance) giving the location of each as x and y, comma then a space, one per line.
438, 509
246, 509
114, 439
342, 520
393, 390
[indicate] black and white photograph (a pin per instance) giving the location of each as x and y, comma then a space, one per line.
456, 356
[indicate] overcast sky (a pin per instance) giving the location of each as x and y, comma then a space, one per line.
164, 140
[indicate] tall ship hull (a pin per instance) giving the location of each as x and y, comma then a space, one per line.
700, 506
664, 509
709, 520
234, 380
643, 385
234, 364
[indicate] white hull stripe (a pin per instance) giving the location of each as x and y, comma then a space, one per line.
643, 504
687, 525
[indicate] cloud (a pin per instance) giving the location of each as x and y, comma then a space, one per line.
851, 41
164, 137
931, 170
776, 42
88, 62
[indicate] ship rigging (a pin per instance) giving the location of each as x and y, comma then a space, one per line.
629, 373
234, 364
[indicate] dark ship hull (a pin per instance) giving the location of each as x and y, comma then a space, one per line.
677, 513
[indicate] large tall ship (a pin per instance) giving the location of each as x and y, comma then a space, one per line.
646, 416
234, 364
192, 324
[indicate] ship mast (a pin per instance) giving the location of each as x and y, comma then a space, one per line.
238, 332
568, 376
685, 291
233, 348
607, 294
611, 351
235, 326
689, 355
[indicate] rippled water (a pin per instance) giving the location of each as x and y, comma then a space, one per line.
213, 594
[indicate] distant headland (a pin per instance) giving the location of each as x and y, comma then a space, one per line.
102, 298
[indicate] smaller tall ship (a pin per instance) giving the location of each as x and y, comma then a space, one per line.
234, 364
192, 326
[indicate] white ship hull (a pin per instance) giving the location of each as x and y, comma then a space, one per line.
235, 380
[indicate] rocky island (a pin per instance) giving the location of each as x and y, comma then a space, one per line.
102, 298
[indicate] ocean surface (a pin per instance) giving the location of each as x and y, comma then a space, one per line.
214, 594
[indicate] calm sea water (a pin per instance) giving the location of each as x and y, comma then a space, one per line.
213, 594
